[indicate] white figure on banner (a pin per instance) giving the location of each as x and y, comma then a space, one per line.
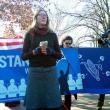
107, 73
79, 84
3, 90
80, 56
92, 68
71, 82
12, 89
102, 58
22, 87
83, 76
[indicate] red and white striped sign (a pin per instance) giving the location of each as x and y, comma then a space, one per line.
11, 43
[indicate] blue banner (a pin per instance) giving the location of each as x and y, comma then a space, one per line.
81, 70
13, 75
95, 69
68, 71
84, 70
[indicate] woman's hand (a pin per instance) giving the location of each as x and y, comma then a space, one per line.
43, 50
36, 51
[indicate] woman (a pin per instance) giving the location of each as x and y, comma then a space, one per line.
42, 50
67, 43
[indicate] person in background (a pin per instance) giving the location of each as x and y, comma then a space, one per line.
42, 50
103, 42
67, 42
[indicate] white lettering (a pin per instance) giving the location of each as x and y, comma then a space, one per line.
12, 61
10, 58
3, 62
25, 63
17, 61
26, 70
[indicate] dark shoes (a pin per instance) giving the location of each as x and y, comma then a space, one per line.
12, 104
100, 104
100, 108
75, 96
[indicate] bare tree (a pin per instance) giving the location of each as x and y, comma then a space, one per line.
60, 22
95, 15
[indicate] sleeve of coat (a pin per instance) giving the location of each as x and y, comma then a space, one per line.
26, 51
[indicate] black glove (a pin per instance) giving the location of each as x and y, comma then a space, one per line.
37, 51
50, 51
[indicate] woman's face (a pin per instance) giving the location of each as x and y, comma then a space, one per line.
42, 18
67, 43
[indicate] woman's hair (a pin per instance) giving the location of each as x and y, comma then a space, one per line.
66, 38
34, 25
